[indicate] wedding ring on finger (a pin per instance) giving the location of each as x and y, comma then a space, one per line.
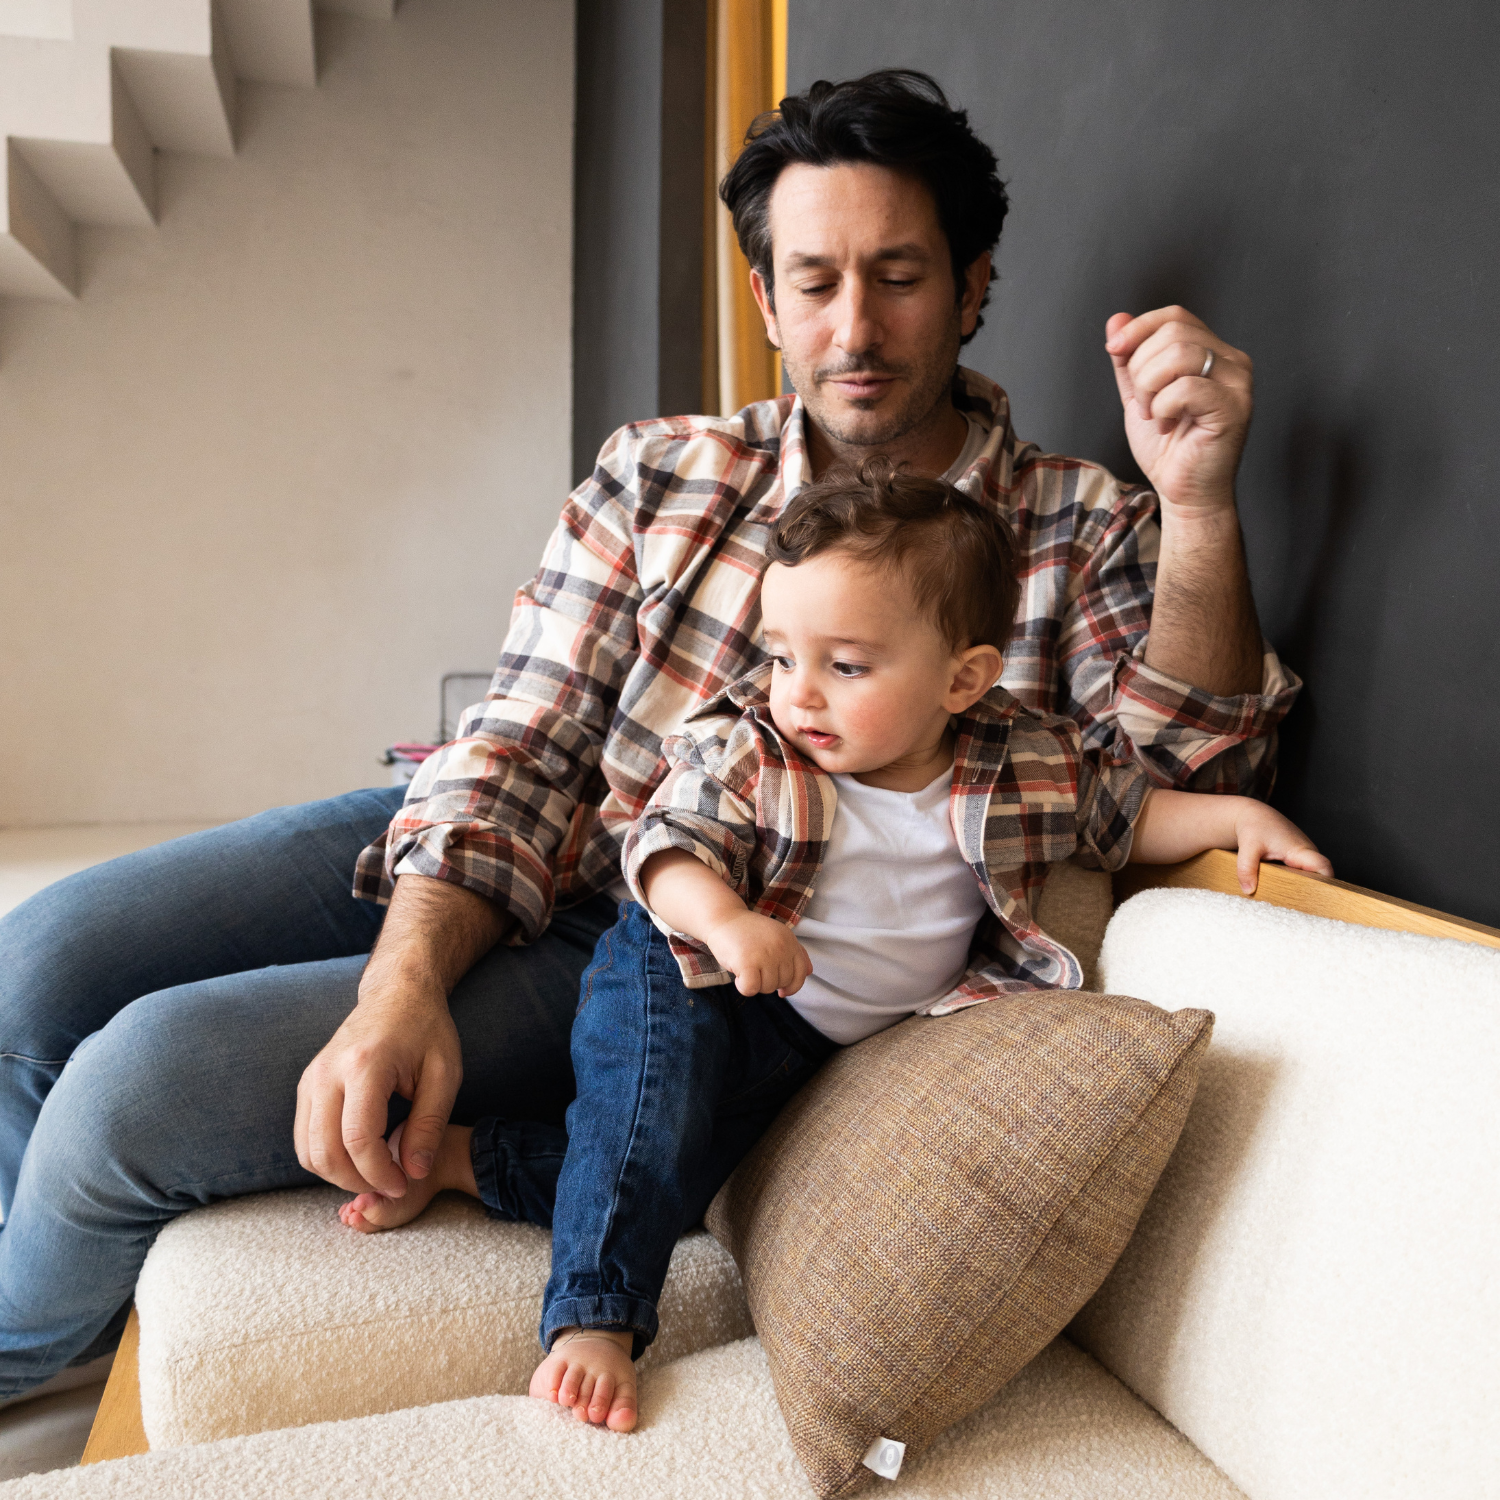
1208, 364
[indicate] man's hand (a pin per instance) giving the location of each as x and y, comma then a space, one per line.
399, 1039
1186, 430
760, 952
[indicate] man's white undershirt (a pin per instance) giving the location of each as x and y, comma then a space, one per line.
973, 444
892, 913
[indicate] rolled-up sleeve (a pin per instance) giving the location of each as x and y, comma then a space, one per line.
1110, 796
704, 806
1197, 741
1182, 736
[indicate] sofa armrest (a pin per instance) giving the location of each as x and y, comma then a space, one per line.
1316, 895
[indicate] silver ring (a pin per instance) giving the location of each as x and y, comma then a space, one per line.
1208, 364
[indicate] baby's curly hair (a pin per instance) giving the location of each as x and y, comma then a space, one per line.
958, 555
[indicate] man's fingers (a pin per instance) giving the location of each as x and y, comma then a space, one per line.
325, 1141
1113, 324
1181, 360
1125, 338
1180, 349
300, 1123
1120, 359
437, 1088
1189, 398
366, 1109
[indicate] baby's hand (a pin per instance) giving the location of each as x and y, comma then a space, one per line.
1262, 833
761, 953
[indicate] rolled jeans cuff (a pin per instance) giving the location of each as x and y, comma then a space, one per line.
613, 1310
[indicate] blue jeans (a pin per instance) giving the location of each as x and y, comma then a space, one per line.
674, 1087
156, 1013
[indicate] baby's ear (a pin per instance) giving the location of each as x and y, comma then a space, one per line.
976, 671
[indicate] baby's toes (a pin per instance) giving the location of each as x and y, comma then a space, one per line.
622, 1411
546, 1379
585, 1397
599, 1397
569, 1386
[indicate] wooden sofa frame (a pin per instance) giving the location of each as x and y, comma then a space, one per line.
118, 1432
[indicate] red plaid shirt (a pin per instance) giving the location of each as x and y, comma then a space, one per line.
647, 605
1026, 794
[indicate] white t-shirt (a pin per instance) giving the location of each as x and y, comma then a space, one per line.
973, 444
892, 913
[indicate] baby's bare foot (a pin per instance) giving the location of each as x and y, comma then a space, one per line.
372, 1212
590, 1370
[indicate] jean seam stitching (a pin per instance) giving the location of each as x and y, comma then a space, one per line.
614, 1197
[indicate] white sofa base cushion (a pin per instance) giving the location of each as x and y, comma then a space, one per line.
266, 1312
710, 1430
1310, 1294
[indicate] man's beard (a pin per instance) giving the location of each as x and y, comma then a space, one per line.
927, 386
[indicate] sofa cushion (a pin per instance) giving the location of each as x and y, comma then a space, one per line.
1062, 1430
1311, 1294
266, 1312
937, 1203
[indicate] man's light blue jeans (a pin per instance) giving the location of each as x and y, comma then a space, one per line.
156, 1013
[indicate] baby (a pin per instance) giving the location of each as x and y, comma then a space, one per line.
853, 833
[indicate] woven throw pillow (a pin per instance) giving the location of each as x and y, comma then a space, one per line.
934, 1207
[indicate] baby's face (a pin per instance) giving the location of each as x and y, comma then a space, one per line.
860, 675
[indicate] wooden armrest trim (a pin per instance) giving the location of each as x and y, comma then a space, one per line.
1317, 895
117, 1431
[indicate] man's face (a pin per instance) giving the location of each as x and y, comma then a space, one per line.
866, 313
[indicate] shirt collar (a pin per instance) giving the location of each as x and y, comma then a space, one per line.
974, 395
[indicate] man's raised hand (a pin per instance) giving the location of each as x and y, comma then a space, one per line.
1186, 429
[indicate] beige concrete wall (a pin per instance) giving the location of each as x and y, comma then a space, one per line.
288, 457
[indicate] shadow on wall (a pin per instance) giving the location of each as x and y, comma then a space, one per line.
1355, 609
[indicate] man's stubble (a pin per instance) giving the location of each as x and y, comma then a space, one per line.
927, 391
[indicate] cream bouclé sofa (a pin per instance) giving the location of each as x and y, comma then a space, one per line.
1304, 1310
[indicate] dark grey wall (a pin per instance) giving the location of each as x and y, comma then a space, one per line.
1321, 183
638, 215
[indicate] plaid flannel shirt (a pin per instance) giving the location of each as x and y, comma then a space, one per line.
647, 605
1026, 794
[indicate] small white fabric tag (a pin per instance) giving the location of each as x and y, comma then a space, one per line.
884, 1456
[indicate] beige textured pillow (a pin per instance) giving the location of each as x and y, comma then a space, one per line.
933, 1208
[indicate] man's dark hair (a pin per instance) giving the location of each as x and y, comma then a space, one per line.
896, 118
957, 555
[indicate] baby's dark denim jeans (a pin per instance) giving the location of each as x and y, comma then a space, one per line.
674, 1087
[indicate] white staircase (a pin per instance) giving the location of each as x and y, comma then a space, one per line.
90, 90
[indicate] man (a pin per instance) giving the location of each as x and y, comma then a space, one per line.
203, 992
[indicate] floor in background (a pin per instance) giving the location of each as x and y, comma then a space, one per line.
49, 1433
31, 858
